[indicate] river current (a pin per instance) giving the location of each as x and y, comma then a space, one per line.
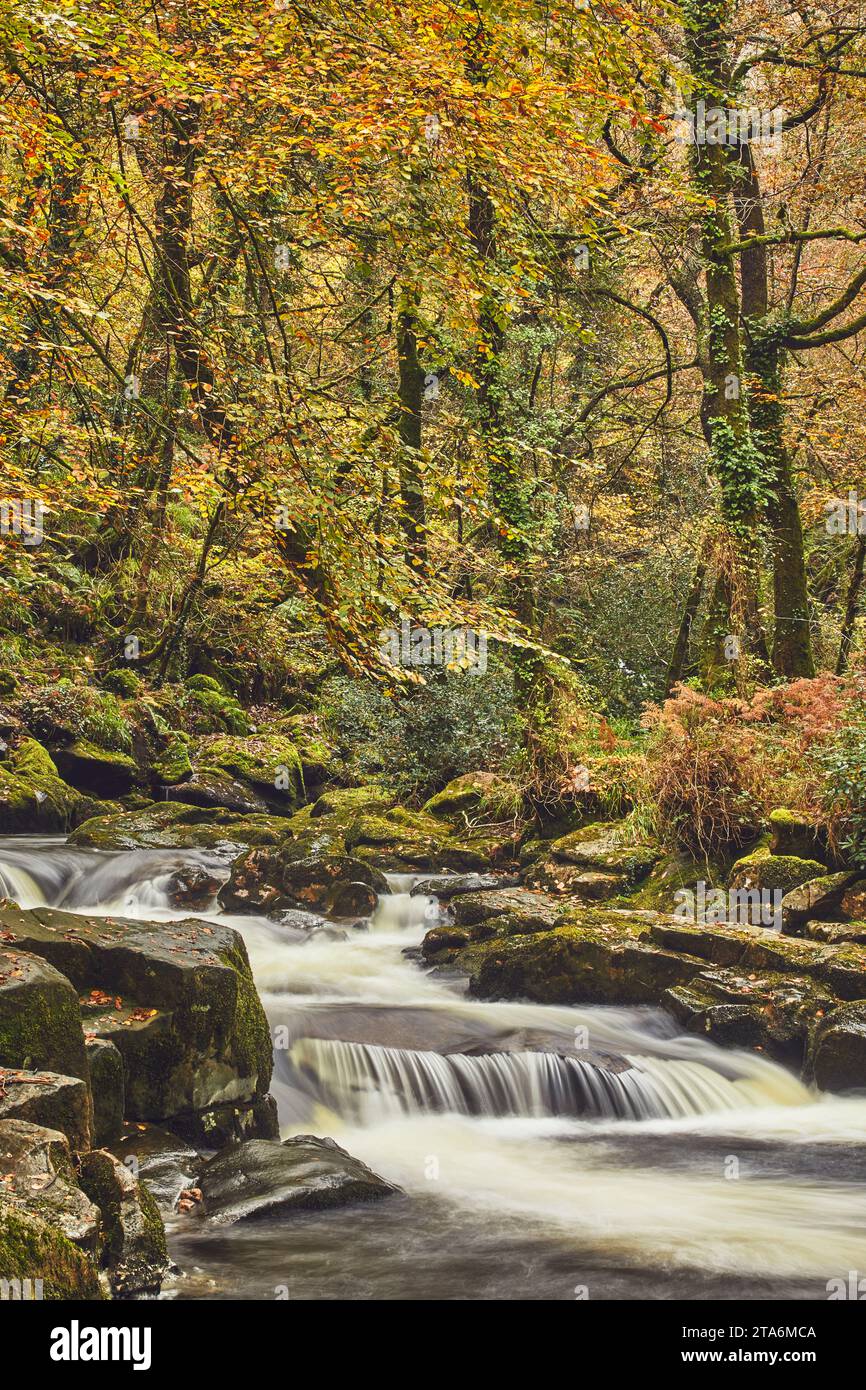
544, 1152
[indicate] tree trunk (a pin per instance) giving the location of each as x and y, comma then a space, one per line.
851, 605
680, 654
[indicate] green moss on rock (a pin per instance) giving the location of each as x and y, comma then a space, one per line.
32, 1249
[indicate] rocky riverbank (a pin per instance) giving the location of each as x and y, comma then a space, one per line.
135, 1056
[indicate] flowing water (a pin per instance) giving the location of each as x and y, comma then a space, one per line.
543, 1152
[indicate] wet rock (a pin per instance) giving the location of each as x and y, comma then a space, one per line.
176, 998
32, 1250
837, 1051
211, 787
40, 1017
302, 1174
446, 886
162, 1161
271, 879
96, 770
48, 1099
816, 897
133, 1247
107, 1087
230, 1123
837, 933
352, 900
507, 911
771, 1013
298, 919
442, 943
173, 825
773, 872
39, 1178
843, 970
194, 886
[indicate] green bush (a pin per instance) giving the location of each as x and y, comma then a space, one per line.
419, 741
843, 768
64, 712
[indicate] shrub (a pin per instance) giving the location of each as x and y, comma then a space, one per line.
419, 741
64, 712
843, 767
715, 768
701, 775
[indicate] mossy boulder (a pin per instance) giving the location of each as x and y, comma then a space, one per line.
675, 872
177, 1000
505, 912
32, 1249
105, 1072
268, 763
476, 796
100, 771
837, 1050
61, 713
596, 956
174, 825
39, 1177
769, 872
133, 1245
771, 1013
346, 803
40, 1016
796, 834
602, 847
401, 840
172, 764
33, 796
122, 681
816, 897
212, 710
212, 787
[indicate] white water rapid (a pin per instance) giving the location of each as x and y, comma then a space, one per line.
642, 1164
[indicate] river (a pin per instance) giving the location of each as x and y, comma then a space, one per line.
543, 1152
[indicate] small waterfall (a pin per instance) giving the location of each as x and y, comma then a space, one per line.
129, 882
402, 911
365, 1083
